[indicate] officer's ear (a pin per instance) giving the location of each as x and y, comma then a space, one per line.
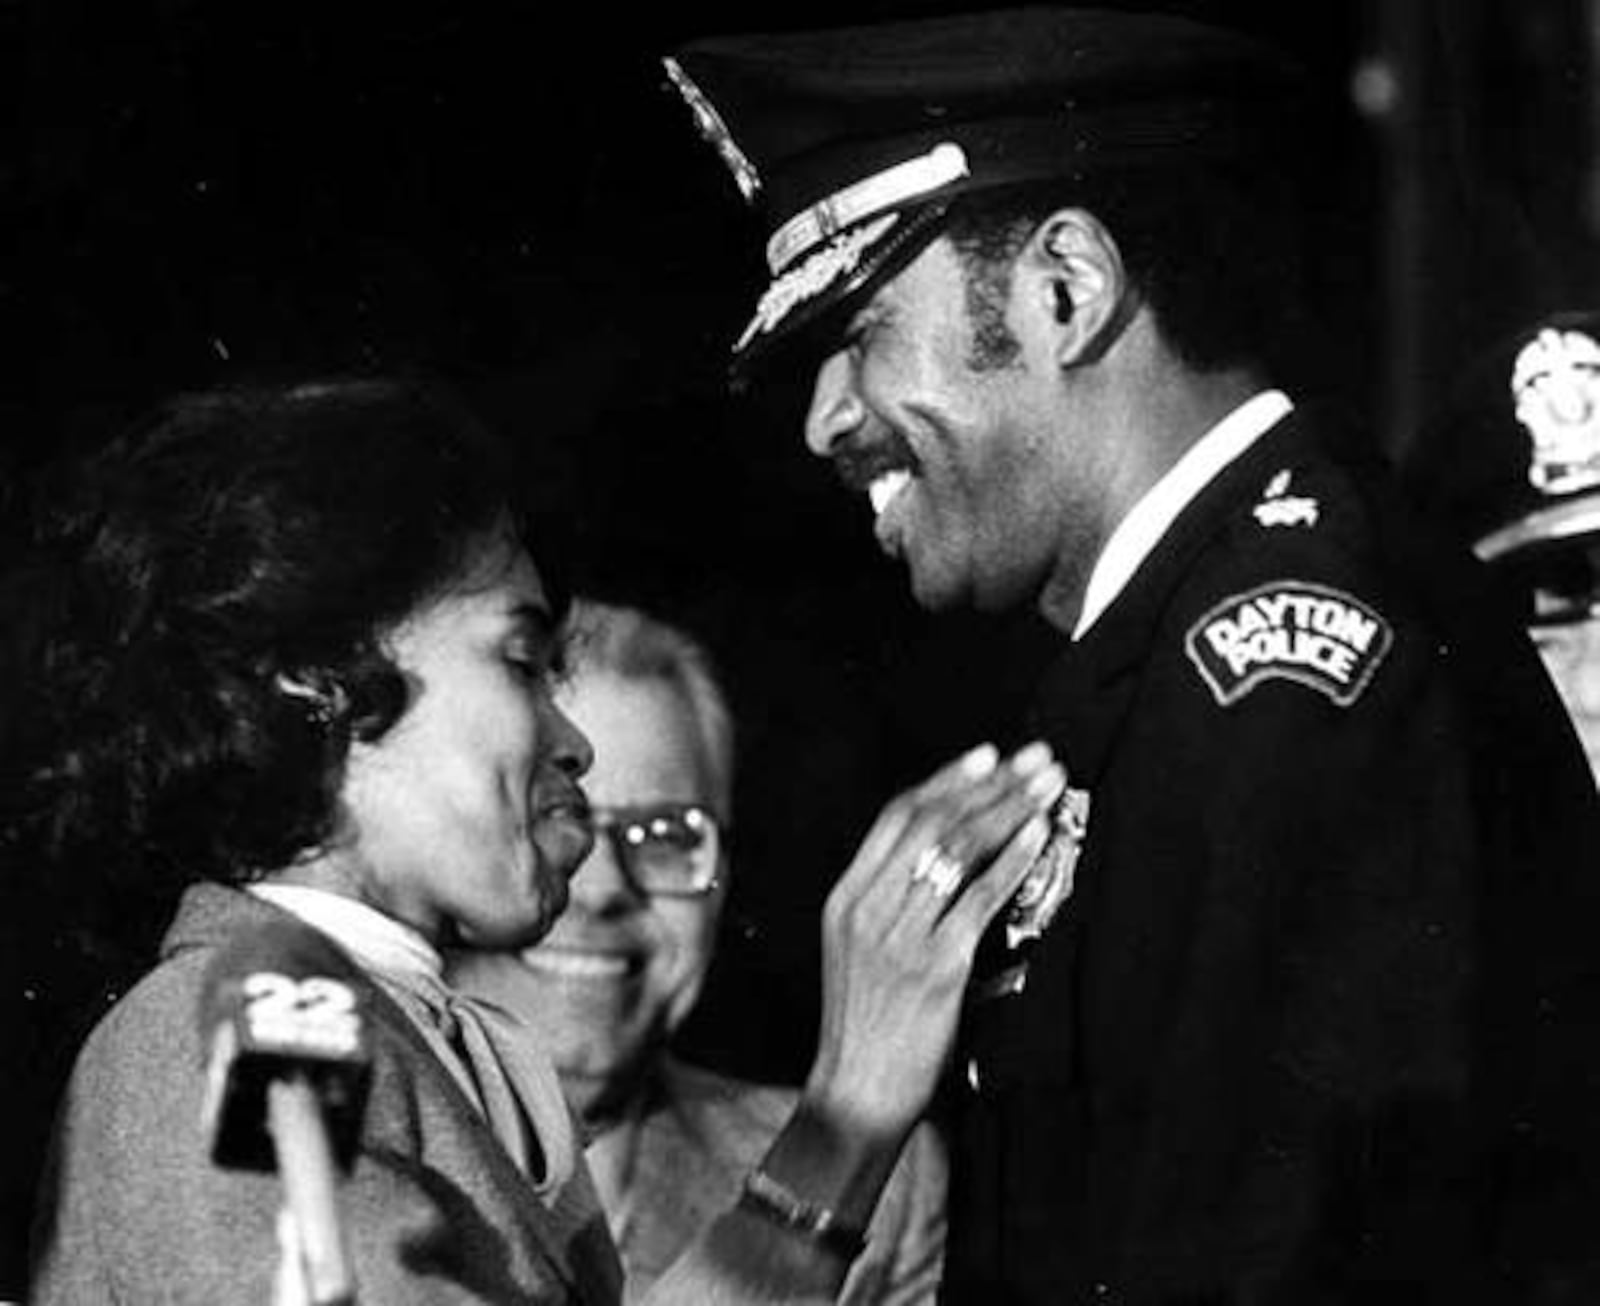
1075, 270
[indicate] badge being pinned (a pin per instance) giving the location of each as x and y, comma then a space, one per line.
1049, 881
1310, 634
1280, 508
1043, 892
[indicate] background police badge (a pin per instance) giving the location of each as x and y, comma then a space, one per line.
1511, 460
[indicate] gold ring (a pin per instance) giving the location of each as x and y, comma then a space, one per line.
942, 871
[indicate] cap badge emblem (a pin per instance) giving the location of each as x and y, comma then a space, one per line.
710, 125
1556, 385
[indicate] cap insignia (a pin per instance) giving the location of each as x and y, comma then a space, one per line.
809, 279
710, 124
912, 179
1556, 385
1292, 630
1280, 508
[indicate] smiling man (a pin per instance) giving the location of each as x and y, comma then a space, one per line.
1297, 1008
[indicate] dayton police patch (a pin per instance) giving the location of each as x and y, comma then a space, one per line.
1294, 630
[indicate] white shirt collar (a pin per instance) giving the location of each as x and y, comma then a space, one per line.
1141, 530
378, 943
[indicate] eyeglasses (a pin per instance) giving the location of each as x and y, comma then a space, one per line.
665, 850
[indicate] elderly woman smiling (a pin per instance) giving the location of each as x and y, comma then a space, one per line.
290, 665
670, 1142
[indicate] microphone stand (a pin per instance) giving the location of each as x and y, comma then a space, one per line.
306, 1165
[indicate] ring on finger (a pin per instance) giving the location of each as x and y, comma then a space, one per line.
940, 869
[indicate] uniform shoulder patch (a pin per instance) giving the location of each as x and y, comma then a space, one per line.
1295, 630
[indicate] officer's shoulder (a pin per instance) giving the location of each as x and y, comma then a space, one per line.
1313, 513
1291, 587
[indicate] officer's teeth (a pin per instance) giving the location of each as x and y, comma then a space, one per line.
886, 487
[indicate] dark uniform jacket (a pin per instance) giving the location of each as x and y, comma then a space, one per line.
1317, 1022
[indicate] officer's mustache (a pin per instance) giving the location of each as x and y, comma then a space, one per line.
860, 462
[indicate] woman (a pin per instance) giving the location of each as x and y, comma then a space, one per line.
616, 977
287, 654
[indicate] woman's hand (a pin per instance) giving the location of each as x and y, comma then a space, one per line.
901, 926
899, 933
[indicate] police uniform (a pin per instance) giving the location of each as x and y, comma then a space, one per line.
1301, 1006
1322, 982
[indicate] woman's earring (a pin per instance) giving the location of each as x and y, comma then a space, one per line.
324, 703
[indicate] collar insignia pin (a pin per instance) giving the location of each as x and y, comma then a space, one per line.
1280, 508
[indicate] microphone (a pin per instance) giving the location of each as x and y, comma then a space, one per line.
287, 1072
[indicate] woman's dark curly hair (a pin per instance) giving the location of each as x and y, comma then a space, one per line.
197, 624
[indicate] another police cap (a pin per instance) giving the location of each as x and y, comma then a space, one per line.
1511, 459
852, 142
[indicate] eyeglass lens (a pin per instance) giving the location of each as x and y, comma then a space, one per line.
667, 849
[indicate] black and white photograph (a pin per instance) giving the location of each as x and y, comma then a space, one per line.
883, 652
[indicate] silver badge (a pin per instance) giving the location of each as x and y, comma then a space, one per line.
1044, 890
1556, 385
1048, 883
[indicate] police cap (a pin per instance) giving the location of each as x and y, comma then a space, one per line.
852, 142
1511, 460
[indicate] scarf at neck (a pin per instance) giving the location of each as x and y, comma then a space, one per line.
493, 1056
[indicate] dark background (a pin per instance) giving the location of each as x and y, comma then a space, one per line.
505, 195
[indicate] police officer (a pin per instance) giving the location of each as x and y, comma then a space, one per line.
1512, 461
1297, 1007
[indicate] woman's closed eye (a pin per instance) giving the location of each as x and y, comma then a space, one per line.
538, 661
